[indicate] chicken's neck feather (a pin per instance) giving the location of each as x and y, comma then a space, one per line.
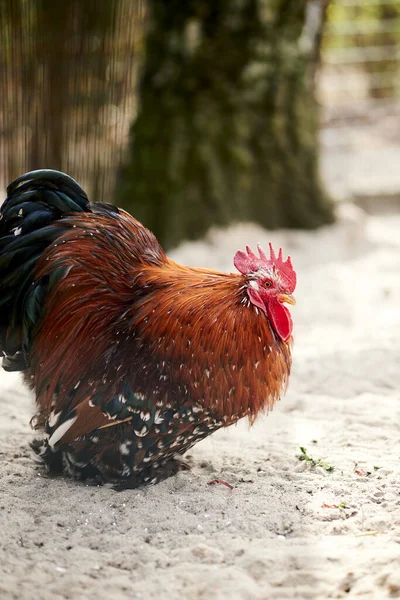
200, 325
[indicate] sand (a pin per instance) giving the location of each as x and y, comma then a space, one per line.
288, 529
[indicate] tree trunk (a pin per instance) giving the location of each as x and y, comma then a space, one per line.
228, 124
66, 86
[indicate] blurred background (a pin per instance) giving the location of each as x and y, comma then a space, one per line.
200, 113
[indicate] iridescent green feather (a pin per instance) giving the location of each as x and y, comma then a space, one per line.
34, 202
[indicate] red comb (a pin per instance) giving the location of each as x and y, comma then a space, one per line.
250, 262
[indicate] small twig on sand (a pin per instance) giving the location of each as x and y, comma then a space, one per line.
215, 481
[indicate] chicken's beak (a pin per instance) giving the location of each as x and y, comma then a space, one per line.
288, 298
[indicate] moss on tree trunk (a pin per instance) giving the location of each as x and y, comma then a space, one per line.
227, 128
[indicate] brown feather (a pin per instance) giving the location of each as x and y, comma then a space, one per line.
171, 331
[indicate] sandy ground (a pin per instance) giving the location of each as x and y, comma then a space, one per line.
277, 534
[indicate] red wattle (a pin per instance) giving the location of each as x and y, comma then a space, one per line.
280, 319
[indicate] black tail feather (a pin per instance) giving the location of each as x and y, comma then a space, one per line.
34, 201
48, 178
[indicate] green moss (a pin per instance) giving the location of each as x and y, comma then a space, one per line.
228, 124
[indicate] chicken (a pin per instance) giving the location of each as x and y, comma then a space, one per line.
132, 357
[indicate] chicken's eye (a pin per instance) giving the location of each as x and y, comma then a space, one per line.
267, 284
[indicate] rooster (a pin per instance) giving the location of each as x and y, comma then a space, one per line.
132, 357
